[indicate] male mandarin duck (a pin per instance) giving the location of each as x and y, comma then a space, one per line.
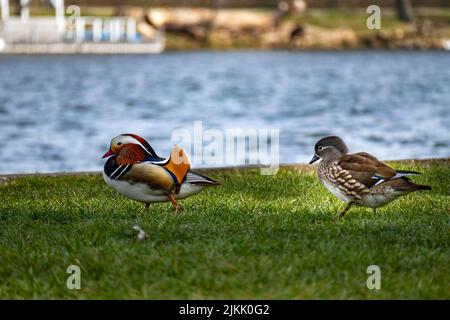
360, 178
137, 172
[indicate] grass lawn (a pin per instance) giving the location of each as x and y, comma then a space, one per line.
254, 237
356, 19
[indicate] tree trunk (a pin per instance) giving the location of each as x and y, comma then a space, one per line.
15, 8
404, 10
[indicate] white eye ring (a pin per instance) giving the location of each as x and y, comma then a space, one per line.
320, 148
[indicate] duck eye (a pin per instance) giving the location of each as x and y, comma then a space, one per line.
320, 148
119, 143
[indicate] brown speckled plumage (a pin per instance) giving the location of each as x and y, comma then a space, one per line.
332, 172
359, 178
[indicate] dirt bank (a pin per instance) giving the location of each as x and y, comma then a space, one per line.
294, 28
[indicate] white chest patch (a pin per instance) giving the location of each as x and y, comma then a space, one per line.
336, 191
136, 191
143, 193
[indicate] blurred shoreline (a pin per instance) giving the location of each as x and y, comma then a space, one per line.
314, 29
288, 27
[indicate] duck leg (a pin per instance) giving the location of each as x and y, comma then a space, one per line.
175, 205
349, 205
146, 205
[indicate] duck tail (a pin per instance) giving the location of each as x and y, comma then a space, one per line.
199, 179
421, 186
407, 185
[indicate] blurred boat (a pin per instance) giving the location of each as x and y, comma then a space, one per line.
76, 34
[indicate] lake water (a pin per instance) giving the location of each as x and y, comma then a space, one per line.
58, 113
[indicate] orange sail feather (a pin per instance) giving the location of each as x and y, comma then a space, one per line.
178, 163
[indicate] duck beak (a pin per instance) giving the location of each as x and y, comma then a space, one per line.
109, 153
314, 159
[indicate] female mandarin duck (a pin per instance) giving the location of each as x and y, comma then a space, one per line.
360, 179
135, 171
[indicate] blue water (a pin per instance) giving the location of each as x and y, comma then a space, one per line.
58, 113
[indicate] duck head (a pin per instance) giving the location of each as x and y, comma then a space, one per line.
328, 148
129, 148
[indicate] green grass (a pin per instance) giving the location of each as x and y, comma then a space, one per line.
254, 237
354, 19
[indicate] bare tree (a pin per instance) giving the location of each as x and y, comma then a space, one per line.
404, 10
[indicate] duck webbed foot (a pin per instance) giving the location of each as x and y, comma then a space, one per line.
349, 205
177, 207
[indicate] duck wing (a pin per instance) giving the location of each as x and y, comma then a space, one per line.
153, 175
366, 168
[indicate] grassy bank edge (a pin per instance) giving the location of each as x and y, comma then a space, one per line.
297, 166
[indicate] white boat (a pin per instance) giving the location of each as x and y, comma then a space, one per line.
78, 35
